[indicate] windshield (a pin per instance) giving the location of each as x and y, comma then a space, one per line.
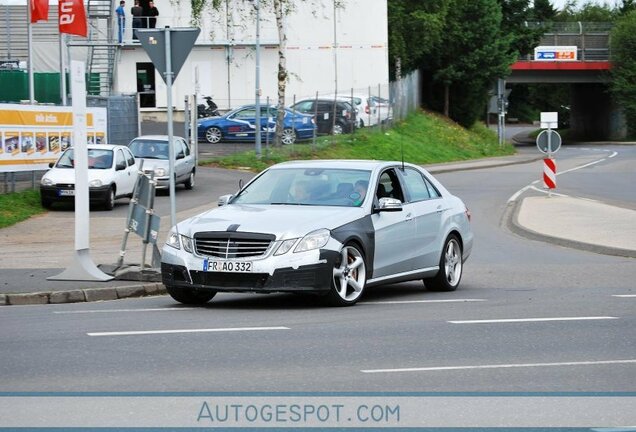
97, 159
148, 149
307, 186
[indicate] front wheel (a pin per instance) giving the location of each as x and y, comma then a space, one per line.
450, 267
288, 137
189, 184
349, 277
45, 203
109, 202
190, 296
213, 135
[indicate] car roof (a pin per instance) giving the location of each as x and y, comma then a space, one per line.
339, 164
155, 137
103, 146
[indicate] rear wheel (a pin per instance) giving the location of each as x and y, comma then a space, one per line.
213, 135
338, 129
189, 184
450, 267
109, 202
190, 296
349, 277
289, 136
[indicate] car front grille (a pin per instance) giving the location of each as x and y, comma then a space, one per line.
232, 245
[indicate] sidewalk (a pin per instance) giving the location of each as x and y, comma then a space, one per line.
38, 248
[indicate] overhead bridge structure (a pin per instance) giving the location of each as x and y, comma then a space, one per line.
593, 113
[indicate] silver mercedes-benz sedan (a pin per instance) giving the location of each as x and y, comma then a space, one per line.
332, 228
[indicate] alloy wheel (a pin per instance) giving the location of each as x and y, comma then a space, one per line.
349, 276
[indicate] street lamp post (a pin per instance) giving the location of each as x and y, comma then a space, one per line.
257, 5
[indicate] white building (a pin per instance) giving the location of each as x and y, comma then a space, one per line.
346, 47
224, 54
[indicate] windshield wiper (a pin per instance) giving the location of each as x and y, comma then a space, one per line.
290, 203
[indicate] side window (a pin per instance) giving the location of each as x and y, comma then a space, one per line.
389, 186
120, 158
415, 185
306, 106
186, 148
325, 107
179, 148
433, 192
129, 157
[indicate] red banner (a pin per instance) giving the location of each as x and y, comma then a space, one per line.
72, 17
39, 10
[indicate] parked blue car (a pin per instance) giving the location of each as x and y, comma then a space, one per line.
240, 125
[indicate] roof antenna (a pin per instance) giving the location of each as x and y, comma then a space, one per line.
402, 149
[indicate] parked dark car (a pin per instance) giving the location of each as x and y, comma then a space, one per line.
323, 110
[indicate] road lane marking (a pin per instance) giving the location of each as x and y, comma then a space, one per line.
499, 366
517, 320
212, 330
517, 194
423, 301
124, 310
624, 295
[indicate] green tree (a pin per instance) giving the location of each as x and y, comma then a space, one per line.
415, 30
475, 53
515, 15
623, 46
543, 10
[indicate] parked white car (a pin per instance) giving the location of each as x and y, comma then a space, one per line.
368, 112
112, 172
153, 150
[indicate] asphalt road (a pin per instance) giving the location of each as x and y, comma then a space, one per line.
573, 318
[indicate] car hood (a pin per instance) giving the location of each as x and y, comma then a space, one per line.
284, 221
67, 175
152, 164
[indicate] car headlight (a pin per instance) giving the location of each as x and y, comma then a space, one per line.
187, 243
46, 182
313, 240
173, 239
95, 183
160, 172
285, 246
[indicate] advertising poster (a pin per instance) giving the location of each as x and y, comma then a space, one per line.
32, 136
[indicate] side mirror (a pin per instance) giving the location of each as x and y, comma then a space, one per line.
224, 199
180, 155
51, 164
388, 205
120, 166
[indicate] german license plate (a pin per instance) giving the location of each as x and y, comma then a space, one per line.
66, 192
227, 266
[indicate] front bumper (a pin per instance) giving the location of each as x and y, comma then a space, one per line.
313, 272
54, 193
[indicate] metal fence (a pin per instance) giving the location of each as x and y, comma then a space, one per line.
591, 38
123, 116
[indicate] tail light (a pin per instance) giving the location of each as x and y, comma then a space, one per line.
468, 214
366, 109
347, 115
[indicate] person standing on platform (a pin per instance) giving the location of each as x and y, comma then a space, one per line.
137, 12
121, 21
153, 13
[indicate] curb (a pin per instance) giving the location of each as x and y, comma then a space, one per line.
83, 295
511, 221
493, 164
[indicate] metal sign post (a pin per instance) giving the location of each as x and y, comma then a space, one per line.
158, 44
549, 142
83, 267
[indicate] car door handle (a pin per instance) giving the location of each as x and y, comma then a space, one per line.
439, 209
409, 216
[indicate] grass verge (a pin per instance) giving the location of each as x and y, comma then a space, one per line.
423, 137
18, 206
